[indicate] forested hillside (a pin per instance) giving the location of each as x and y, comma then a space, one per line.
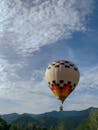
65, 120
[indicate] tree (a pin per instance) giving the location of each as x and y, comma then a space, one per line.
3, 125
13, 127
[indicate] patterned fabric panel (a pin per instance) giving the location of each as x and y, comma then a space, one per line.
61, 92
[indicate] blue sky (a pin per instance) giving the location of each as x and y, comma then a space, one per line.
33, 33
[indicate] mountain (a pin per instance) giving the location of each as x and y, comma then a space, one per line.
91, 122
24, 121
13, 116
3, 125
63, 120
10, 117
61, 114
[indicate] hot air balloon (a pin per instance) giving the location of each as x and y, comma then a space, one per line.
62, 77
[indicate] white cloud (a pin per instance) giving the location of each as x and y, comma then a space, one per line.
30, 25
89, 78
20, 95
85, 95
2, 73
24, 28
30, 94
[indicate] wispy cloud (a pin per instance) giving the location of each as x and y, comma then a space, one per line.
85, 95
89, 75
26, 26
31, 93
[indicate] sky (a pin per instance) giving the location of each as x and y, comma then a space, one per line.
33, 33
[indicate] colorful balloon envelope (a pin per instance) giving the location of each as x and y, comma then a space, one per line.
62, 77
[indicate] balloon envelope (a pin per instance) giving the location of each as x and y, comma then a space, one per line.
62, 77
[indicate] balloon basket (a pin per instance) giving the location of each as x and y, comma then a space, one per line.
61, 108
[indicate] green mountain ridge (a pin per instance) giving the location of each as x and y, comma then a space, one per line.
57, 114
91, 122
10, 117
64, 120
